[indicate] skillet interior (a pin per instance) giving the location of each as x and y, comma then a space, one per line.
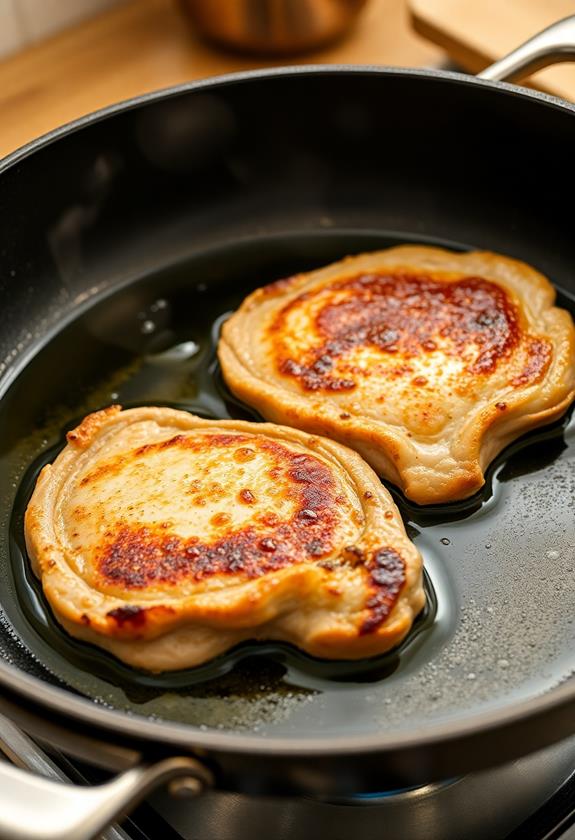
213, 195
493, 637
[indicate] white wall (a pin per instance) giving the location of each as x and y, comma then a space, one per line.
25, 21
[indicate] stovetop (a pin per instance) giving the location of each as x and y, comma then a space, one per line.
427, 814
530, 799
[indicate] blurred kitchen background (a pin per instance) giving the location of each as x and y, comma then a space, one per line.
60, 59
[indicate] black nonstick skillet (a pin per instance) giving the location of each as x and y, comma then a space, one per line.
125, 238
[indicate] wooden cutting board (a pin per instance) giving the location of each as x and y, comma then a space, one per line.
477, 32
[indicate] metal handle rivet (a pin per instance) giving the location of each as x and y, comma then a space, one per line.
185, 787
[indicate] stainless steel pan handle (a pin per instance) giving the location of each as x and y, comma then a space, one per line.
34, 807
552, 46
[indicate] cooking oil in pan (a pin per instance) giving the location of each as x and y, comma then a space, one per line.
154, 343
189, 372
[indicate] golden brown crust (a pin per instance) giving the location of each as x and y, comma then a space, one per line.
167, 539
426, 362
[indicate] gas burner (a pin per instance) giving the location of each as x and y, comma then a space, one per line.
403, 794
530, 799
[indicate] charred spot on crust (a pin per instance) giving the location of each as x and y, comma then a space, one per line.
129, 614
403, 316
307, 515
330, 565
133, 617
539, 354
386, 571
353, 555
246, 496
315, 548
313, 378
140, 555
267, 544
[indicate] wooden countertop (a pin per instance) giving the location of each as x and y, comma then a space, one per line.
144, 45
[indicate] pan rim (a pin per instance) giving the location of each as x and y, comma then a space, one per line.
228, 79
83, 710
139, 727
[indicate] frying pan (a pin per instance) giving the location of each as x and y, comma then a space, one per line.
125, 238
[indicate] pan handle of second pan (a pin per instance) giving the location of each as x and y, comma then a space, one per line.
555, 44
33, 807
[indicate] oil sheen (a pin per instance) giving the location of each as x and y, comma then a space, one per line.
154, 343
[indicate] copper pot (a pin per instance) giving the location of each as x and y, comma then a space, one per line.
272, 26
